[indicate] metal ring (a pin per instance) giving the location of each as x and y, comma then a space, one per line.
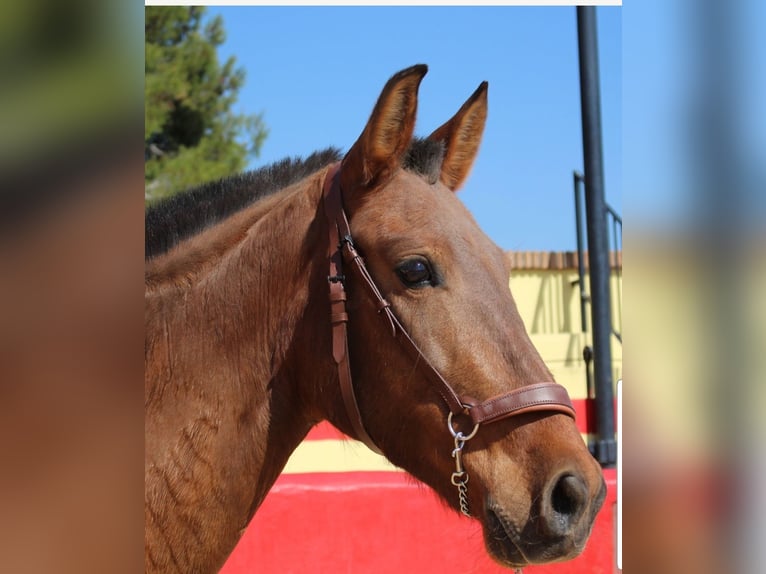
454, 433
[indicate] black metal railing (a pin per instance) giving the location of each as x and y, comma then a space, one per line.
614, 223
615, 246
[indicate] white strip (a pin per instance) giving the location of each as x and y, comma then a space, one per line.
619, 474
388, 3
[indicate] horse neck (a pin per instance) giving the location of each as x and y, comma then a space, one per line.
230, 348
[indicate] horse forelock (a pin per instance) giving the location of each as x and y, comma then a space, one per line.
425, 157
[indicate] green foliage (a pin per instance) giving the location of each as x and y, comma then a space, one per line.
190, 133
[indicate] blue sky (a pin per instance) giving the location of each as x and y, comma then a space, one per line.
315, 73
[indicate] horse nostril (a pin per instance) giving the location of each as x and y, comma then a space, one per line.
568, 499
568, 495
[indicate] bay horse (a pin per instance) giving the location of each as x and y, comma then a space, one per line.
359, 291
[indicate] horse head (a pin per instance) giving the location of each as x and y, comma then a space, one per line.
533, 484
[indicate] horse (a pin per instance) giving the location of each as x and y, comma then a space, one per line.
357, 290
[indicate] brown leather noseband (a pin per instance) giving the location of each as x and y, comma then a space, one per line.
544, 396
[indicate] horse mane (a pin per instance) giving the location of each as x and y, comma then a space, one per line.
170, 221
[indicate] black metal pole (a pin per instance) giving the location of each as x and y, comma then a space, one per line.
578, 180
605, 448
587, 352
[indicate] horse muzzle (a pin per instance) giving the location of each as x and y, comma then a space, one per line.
556, 527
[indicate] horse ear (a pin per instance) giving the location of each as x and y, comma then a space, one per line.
461, 136
377, 153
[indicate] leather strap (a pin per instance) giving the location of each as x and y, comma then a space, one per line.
546, 396
398, 331
338, 314
537, 397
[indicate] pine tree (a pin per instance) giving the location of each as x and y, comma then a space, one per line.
190, 133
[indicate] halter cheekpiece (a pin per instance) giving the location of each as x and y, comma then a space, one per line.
546, 396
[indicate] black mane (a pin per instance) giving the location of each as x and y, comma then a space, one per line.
170, 221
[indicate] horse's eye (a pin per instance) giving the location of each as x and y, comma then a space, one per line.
415, 273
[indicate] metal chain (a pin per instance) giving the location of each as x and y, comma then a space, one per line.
463, 497
460, 476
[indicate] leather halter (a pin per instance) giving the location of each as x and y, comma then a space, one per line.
544, 396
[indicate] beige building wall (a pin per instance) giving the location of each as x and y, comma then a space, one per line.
546, 289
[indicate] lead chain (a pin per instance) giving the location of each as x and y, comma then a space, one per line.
460, 476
